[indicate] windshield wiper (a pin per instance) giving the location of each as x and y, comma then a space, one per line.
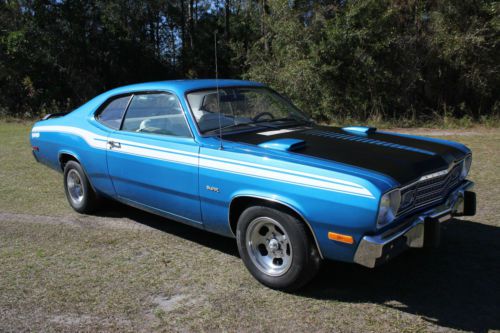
261, 124
228, 126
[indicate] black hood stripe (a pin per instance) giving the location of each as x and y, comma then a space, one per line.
401, 158
366, 140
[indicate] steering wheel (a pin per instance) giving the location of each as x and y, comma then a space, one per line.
262, 114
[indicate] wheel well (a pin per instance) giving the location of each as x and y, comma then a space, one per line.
239, 204
65, 158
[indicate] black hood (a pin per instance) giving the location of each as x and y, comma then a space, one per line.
405, 159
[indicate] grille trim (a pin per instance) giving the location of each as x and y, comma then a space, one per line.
431, 190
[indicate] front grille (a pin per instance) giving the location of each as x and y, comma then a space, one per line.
428, 192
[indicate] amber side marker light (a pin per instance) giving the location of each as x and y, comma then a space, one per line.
340, 238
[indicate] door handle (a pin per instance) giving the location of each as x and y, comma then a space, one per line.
114, 144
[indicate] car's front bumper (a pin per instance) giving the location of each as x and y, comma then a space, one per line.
376, 249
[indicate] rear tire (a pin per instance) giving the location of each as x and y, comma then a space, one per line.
80, 194
276, 248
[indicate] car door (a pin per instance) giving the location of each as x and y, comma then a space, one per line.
153, 158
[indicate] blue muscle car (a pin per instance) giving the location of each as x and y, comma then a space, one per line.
236, 158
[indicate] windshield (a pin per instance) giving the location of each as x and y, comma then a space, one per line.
242, 107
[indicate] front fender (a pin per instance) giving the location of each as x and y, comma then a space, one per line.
328, 199
344, 214
280, 200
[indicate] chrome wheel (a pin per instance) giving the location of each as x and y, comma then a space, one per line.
269, 246
75, 186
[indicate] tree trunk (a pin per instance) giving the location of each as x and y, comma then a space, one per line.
191, 24
227, 13
183, 37
263, 28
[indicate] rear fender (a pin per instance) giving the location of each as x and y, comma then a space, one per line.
74, 156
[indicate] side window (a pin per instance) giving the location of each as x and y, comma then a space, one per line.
112, 113
156, 113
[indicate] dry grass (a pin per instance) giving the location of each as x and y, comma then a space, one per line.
126, 270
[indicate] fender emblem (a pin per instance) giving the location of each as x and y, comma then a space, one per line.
213, 188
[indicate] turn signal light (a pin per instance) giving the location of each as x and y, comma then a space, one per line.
340, 238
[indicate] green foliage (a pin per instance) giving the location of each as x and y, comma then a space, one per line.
373, 60
409, 61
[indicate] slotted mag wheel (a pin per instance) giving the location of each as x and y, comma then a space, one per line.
75, 186
269, 246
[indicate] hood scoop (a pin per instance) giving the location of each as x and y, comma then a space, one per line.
284, 144
360, 129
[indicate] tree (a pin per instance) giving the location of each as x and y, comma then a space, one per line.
338, 60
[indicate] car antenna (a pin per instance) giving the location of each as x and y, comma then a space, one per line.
221, 147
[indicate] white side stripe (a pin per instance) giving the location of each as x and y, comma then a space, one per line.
215, 163
93, 140
160, 155
268, 167
287, 178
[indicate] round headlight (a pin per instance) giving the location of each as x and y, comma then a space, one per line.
388, 209
466, 164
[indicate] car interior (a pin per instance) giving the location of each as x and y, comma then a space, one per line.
157, 114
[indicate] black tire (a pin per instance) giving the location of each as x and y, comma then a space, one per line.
305, 261
89, 201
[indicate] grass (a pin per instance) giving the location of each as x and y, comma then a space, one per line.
25, 182
126, 270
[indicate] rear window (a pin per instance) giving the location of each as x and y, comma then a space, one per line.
112, 114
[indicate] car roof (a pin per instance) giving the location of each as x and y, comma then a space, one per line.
182, 86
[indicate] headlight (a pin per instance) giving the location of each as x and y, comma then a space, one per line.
389, 205
466, 167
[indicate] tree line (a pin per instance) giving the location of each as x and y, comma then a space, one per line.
363, 60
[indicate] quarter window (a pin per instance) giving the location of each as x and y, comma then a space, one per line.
156, 113
112, 113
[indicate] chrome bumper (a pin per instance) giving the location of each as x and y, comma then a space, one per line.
373, 250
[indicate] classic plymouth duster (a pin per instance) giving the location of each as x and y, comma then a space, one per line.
238, 159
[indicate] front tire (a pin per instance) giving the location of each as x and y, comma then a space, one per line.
276, 248
80, 194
